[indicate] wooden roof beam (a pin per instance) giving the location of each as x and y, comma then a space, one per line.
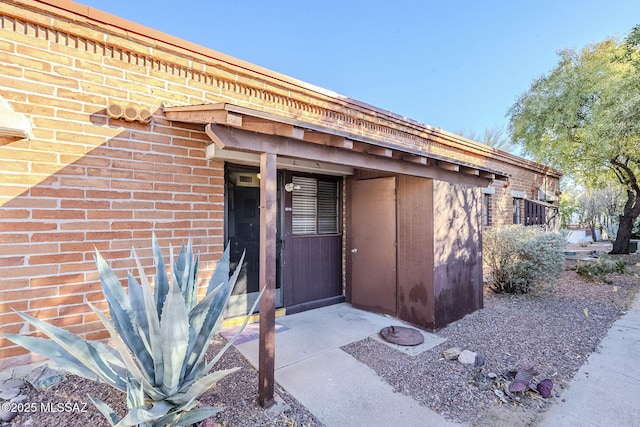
469, 170
416, 159
448, 166
222, 117
379, 151
486, 174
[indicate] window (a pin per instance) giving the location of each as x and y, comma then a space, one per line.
517, 211
486, 208
314, 206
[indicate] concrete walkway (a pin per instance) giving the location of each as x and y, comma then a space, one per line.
335, 387
340, 391
606, 390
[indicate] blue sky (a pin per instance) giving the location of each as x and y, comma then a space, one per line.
454, 64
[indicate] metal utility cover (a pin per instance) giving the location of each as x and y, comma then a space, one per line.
402, 335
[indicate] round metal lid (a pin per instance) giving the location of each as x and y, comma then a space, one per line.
402, 335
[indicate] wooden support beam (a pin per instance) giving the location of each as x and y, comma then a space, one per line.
448, 166
238, 139
260, 125
379, 151
267, 275
340, 142
317, 137
469, 170
416, 159
209, 116
489, 175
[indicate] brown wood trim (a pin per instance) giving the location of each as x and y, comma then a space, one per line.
268, 226
238, 139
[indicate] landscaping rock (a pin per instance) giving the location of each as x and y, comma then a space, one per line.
7, 415
44, 378
480, 360
451, 353
467, 357
11, 384
9, 394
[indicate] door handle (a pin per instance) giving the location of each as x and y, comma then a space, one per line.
354, 251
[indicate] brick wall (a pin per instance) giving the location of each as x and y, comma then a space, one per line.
86, 181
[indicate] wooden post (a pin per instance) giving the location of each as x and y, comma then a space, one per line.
268, 224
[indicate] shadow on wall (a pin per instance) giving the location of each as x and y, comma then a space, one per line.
107, 188
458, 252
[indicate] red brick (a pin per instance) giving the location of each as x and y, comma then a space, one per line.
54, 258
29, 293
56, 237
110, 214
58, 214
12, 261
58, 193
14, 213
131, 225
55, 301
109, 195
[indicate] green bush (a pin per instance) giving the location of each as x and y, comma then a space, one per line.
160, 340
518, 258
597, 271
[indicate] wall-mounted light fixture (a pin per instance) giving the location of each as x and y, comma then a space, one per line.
290, 186
12, 124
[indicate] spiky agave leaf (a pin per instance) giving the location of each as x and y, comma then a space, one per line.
162, 281
193, 416
74, 353
122, 315
127, 358
105, 410
142, 414
209, 326
150, 309
174, 333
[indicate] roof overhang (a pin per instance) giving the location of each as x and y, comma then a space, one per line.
241, 134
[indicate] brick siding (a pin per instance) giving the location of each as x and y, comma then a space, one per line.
85, 181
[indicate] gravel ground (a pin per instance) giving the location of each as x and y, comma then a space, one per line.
237, 392
553, 329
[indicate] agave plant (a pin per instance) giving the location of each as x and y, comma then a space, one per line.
160, 338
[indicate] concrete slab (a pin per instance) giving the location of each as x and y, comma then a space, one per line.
605, 390
340, 391
315, 331
335, 387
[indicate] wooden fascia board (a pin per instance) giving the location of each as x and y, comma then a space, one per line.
238, 139
325, 136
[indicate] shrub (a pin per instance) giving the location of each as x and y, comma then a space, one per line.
598, 270
160, 339
518, 258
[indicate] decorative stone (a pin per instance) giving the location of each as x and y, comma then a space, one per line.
480, 360
9, 394
11, 384
492, 375
451, 353
44, 378
7, 415
19, 398
467, 357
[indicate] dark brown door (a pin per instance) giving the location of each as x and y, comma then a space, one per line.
373, 245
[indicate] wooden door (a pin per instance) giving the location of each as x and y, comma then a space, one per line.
373, 245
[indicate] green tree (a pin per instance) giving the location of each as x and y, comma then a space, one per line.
496, 137
583, 117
